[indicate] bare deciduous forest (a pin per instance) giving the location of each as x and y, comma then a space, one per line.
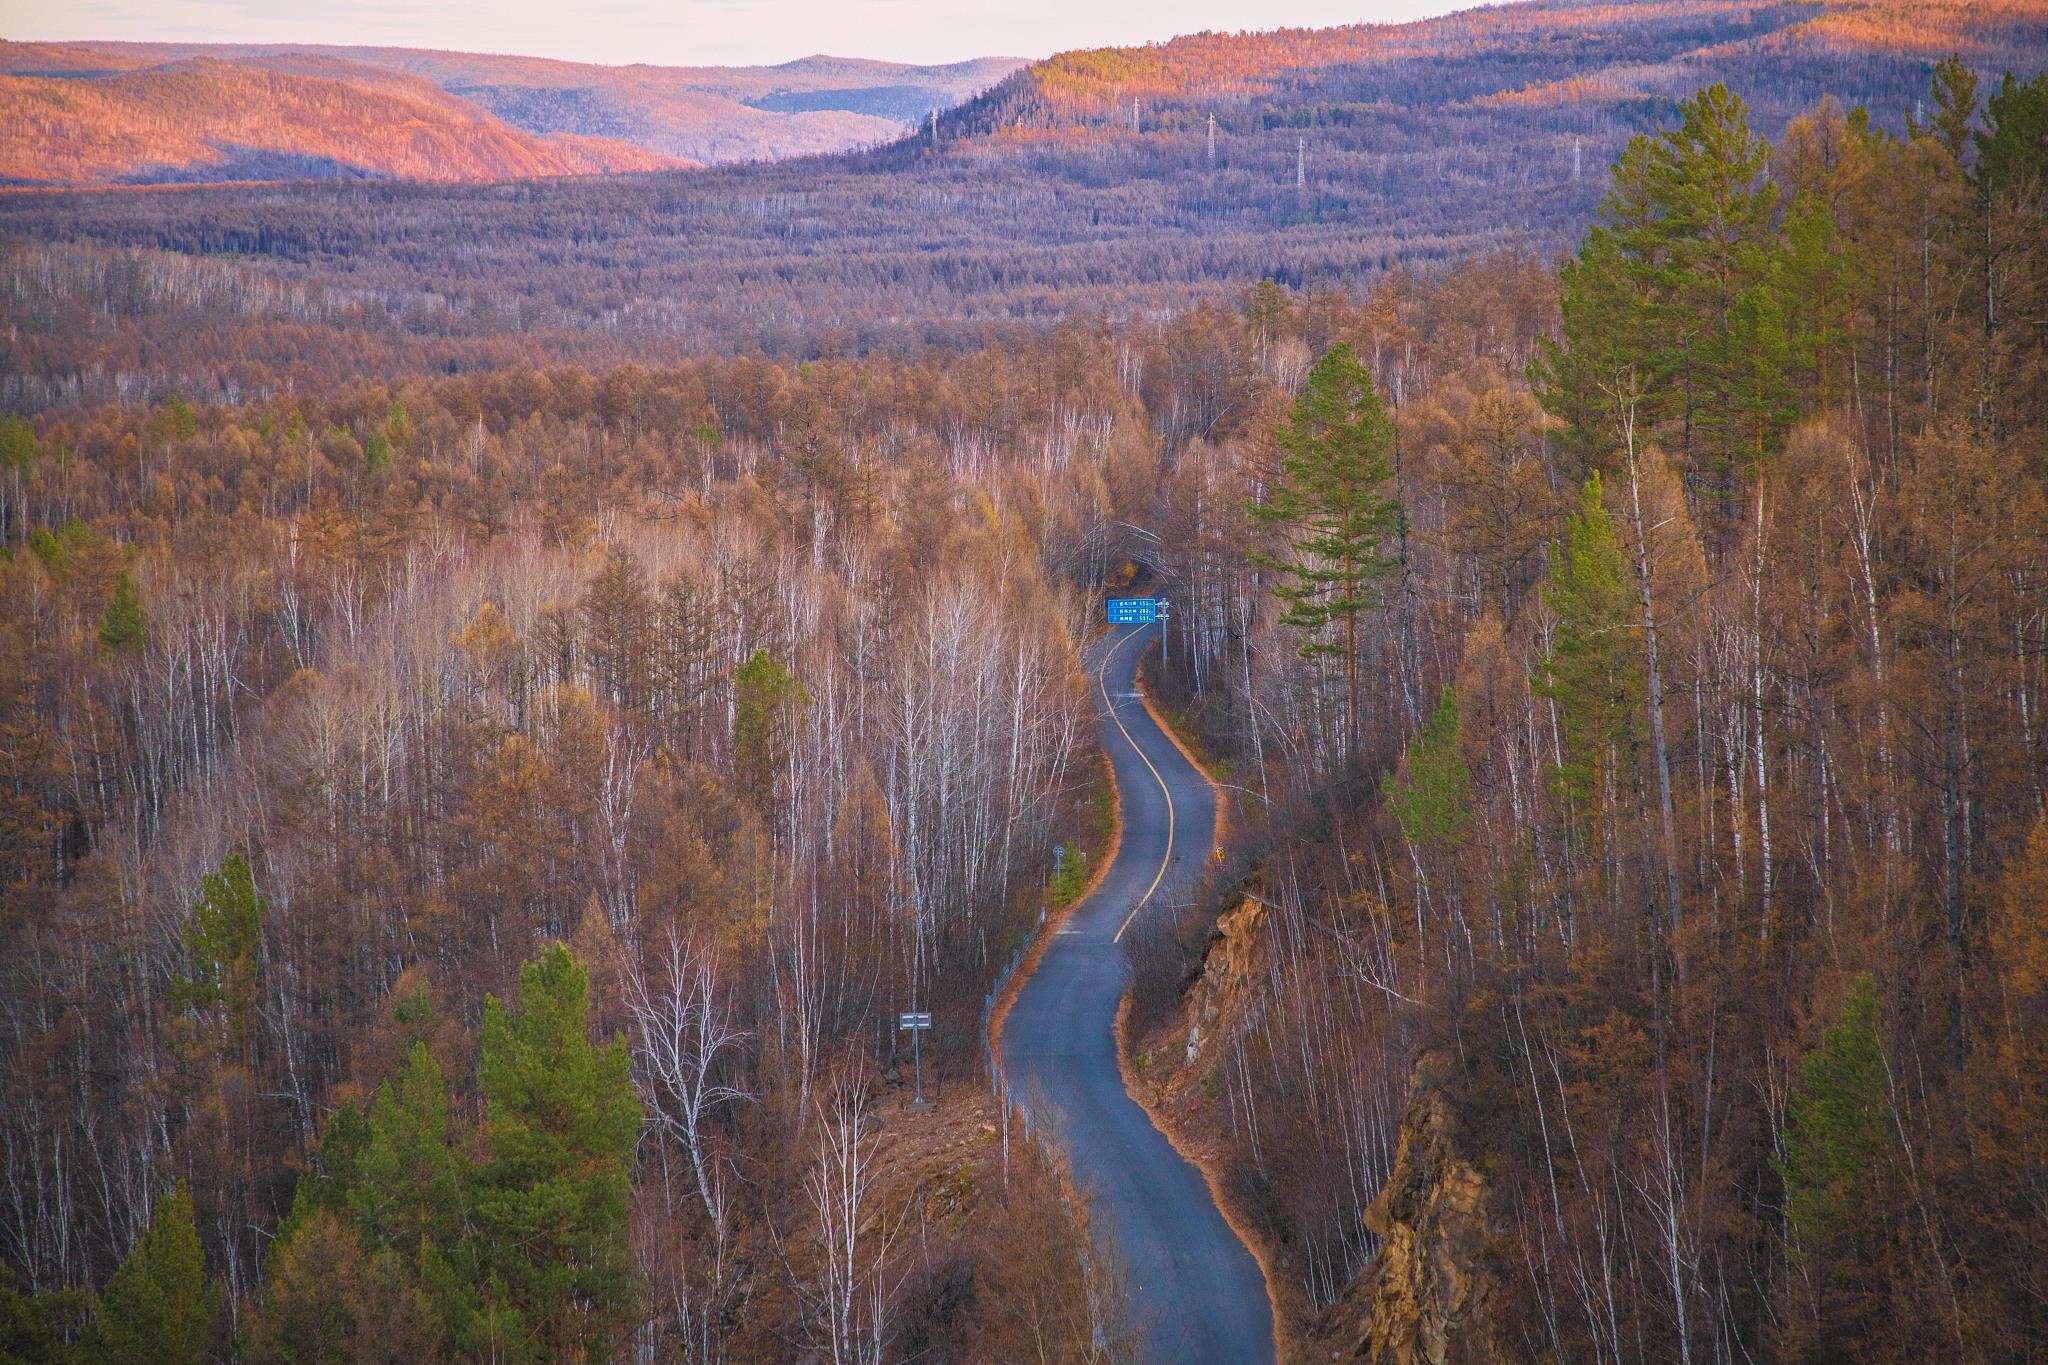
494, 725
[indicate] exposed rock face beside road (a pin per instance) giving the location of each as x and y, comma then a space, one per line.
1232, 958
1432, 1285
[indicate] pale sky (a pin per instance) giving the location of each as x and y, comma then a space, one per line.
690, 32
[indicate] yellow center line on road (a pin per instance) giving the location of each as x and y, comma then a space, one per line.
1102, 681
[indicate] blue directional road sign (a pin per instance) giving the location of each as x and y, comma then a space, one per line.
1133, 611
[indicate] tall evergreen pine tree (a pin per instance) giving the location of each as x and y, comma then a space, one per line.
1331, 507
552, 1196
158, 1307
1592, 671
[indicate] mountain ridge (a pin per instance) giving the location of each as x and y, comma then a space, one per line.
672, 115
1428, 144
203, 120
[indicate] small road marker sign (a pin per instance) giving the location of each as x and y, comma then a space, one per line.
916, 1022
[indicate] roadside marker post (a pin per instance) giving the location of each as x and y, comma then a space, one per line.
916, 1022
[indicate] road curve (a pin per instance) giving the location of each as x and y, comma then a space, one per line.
1197, 1294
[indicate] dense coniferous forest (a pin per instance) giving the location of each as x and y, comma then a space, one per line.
491, 738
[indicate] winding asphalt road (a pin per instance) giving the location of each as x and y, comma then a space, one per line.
1197, 1293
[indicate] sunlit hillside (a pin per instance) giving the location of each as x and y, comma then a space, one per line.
208, 120
92, 129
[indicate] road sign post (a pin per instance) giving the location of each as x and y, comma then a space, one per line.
916, 1022
1134, 611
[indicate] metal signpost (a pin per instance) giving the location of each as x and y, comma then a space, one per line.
916, 1021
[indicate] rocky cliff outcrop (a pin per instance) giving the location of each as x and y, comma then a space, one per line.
1431, 1291
1233, 956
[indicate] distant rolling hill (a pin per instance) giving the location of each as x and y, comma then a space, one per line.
1596, 64
694, 115
1480, 77
1085, 185
205, 120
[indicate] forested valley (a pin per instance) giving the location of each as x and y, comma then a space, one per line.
1124, 184
466, 838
